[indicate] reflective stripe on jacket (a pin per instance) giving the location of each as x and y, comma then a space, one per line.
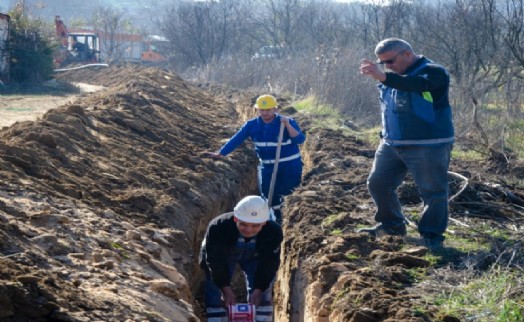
265, 138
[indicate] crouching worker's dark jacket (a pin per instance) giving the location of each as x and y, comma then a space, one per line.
222, 245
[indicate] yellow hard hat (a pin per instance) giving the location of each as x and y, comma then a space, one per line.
266, 102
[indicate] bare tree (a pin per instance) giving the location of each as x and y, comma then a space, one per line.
201, 32
465, 36
512, 14
111, 24
280, 21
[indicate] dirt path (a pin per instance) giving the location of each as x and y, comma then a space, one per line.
18, 108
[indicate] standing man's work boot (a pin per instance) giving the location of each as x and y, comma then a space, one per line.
433, 243
381, 230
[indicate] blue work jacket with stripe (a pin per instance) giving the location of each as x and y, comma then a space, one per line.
265, 137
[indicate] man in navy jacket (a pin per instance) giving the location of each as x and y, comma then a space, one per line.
417, 136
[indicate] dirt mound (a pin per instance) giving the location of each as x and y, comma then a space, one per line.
102, 203
331, 273
105, 76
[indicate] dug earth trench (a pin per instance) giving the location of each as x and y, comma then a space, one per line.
104, 202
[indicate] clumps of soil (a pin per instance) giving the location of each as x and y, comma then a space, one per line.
331, 273
103, 202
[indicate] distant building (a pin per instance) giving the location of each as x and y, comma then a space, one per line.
4, 52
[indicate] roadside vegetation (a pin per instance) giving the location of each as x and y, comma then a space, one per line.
322, 42
30, 49
477, 276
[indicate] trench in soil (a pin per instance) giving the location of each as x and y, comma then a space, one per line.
289, 282
142, 141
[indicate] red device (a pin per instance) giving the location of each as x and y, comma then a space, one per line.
242, 312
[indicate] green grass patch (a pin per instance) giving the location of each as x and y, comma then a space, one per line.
326, 117
417, 274
467, 243
494, 232
515, 137
351, 256
329, 220
467, 155
370, 135
491, 297
309, 105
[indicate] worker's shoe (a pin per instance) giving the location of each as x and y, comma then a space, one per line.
433, 243
381, 230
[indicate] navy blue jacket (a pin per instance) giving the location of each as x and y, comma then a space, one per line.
219, 245
415, 106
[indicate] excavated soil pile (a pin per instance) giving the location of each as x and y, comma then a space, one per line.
103, 203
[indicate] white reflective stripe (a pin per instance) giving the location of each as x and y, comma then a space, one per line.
264, 313
266, 144
267, 308
419, 142
276, 207
293, 157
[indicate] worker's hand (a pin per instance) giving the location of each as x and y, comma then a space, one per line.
256, 297
228, 295
284, 119
369, 68
212, 155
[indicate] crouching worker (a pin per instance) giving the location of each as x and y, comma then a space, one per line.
248, 238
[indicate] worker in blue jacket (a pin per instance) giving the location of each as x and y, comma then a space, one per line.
264, 131
417, 136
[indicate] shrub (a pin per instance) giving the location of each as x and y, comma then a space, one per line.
31, 50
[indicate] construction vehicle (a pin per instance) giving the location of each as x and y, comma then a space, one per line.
152, 46
93, 46
76, 47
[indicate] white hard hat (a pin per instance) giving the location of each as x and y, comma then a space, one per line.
252, 209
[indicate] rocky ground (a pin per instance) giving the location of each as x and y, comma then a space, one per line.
104, 201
